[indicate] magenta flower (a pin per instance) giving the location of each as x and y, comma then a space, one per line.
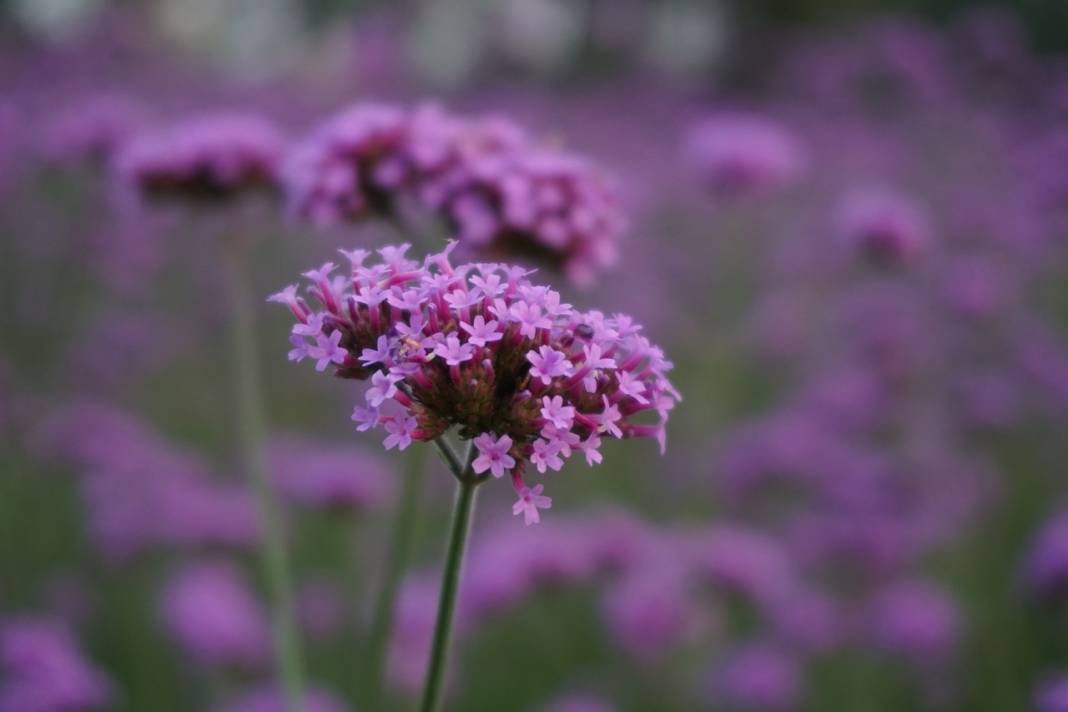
546, 455
480, 332
548, 363
498, 190
537, 383
401, 428
493, 454
453, 351
560, 415
530, 501
327, 350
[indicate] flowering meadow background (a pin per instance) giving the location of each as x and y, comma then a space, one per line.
845, 228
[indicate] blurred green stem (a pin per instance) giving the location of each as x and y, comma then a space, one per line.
245, 372
450, 578
400, 545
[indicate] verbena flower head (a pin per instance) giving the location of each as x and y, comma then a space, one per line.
915, 620
887, 227
1045, 569
760, 676
342, 479
42, 670
211, 157
743, 153
531, 380
93, 129
215, 618
1052, 695
499, 191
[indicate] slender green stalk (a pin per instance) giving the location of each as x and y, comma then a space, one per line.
245, 372
400, 545
450, 578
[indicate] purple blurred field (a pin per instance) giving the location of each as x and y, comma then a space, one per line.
782, 406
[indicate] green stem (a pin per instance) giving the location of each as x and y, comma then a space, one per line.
245, 372
450, 579
400, 546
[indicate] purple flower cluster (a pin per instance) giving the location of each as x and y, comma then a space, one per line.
887, 227
743, 153
93, 129
42, 670
329, 478
499, 191
529, 379
141, 493
654, 585
213, 616
210, 157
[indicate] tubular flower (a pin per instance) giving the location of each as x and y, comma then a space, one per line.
479, 348
499, 191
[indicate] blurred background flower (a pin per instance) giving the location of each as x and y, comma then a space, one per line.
844, 222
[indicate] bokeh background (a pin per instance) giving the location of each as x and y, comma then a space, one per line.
847, 226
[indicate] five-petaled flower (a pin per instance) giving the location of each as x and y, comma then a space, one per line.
493, 455
530, 501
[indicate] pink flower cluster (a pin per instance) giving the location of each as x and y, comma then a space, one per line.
211, 157
496, 188
480, 348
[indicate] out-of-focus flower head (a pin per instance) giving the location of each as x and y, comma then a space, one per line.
886, 226
329, 477
744, 153
528, 378
93, 129
42, 670
140, 492
745, 561
214, 617
500, 192
269, 698
1046, 566
915, 620
759, 676
651, 612
1052, 695
205, 158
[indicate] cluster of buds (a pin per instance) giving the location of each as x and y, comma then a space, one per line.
497, 190
212, 157
479, 348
